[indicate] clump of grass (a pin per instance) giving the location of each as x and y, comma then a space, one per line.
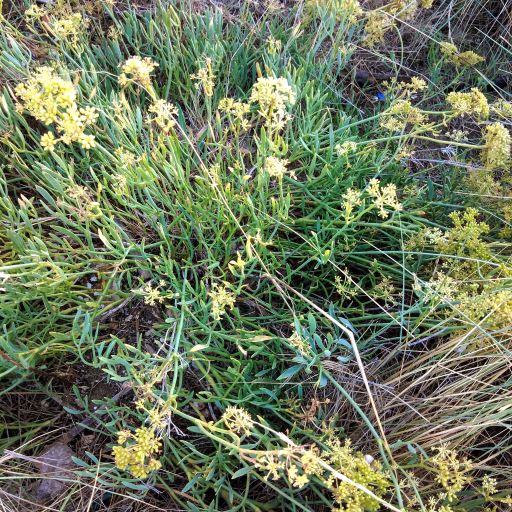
299, 315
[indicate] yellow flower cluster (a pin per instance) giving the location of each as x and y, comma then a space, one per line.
451, 471
309, 466
489, 486
300, 465
464, 238
378, 23
135, 452
404, 10
205, 78
350, 10
126, 158
163, 114
472, 103
277, 168
152, 295
464, 59
86, 207
343, 10
400, 114
120, 184
345, 286
69, 28
222, 298
46, 94
502, 108
458, 135
426, 236
272, 464
114, 32
274, 46
158, 413
439, 290
497, 147
232, 107
435, 505
52, 100
351, 200
414, 86
356, 466
457, 283
343, 149
297, 342
386, 291
237, 112
60, 22
237, 420
405, 89
157, 418
237, 266
492, 191
383, 197
490, 307
273, 95
137, 70
35, 11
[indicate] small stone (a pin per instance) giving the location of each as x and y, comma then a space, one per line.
369, 459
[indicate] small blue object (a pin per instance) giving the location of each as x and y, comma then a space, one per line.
380, 96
